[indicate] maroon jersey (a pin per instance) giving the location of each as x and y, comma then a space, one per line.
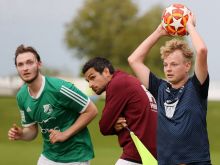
125, 97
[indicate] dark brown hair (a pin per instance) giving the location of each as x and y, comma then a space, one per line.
23, 49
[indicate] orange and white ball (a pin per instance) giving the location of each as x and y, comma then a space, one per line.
174, 19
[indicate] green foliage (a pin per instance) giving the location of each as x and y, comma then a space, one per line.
107, 150
113, 29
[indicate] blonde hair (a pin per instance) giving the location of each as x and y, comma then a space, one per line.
176, 44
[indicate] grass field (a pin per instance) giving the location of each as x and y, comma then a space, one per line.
106, 148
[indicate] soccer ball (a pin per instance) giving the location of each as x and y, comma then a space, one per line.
174, 19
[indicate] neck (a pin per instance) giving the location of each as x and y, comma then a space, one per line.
35, 86
179, 84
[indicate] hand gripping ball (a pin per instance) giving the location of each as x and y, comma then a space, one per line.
174, 19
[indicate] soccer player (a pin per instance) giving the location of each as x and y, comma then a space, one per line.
181, 99
60, 109
126, 102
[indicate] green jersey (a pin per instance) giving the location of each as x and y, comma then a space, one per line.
57, 106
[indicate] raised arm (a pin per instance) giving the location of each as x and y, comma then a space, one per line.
136, 59
201, 66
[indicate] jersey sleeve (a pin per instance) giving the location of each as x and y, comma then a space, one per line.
202, 89
26, 120
116, 101
72, 98
154, 83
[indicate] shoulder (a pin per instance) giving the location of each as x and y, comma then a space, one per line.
122, 81
122, 78
23, 91
57, 83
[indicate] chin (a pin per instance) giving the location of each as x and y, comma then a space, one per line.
99, 92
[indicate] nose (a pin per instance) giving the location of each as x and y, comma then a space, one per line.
168, 68
25, 67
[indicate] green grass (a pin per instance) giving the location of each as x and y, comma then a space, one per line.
106, 148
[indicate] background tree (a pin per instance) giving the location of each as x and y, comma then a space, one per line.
113, 29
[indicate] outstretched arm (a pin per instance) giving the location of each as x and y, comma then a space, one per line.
201, 66
136, 59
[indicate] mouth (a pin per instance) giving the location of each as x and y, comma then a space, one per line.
26, 74
170, 75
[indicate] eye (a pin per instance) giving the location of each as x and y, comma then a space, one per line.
92, 77
29, 62
20, 64
164, 64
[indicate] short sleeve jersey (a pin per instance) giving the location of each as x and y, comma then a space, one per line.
182, 130
57, 106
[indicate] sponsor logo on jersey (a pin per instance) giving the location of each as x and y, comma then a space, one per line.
45, 124
48, 109
170, 108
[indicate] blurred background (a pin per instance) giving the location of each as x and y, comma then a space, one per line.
67, 33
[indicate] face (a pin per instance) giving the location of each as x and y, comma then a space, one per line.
97, 81
27, 67
176, 68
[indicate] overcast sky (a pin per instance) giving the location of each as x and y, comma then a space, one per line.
41, 24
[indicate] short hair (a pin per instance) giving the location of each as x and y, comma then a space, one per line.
176, 44
23, 49
99, 64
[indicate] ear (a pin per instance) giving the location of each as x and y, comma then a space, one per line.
188, 66
106, 72
39, 64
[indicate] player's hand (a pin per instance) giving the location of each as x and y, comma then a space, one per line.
15, 133
191, 20
160, 30
191, 23
120, 124
57, 136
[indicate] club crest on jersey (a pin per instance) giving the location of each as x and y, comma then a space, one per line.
48, 109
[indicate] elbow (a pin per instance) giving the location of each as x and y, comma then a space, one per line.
104, 129
203, 50
131, 60
105, 132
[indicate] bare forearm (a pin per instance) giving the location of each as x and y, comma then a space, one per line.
29, 133
136, 59
84, 119
201, 66
197, 41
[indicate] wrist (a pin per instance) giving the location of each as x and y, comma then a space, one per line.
190, 28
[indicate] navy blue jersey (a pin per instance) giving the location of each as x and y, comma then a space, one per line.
182, 130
